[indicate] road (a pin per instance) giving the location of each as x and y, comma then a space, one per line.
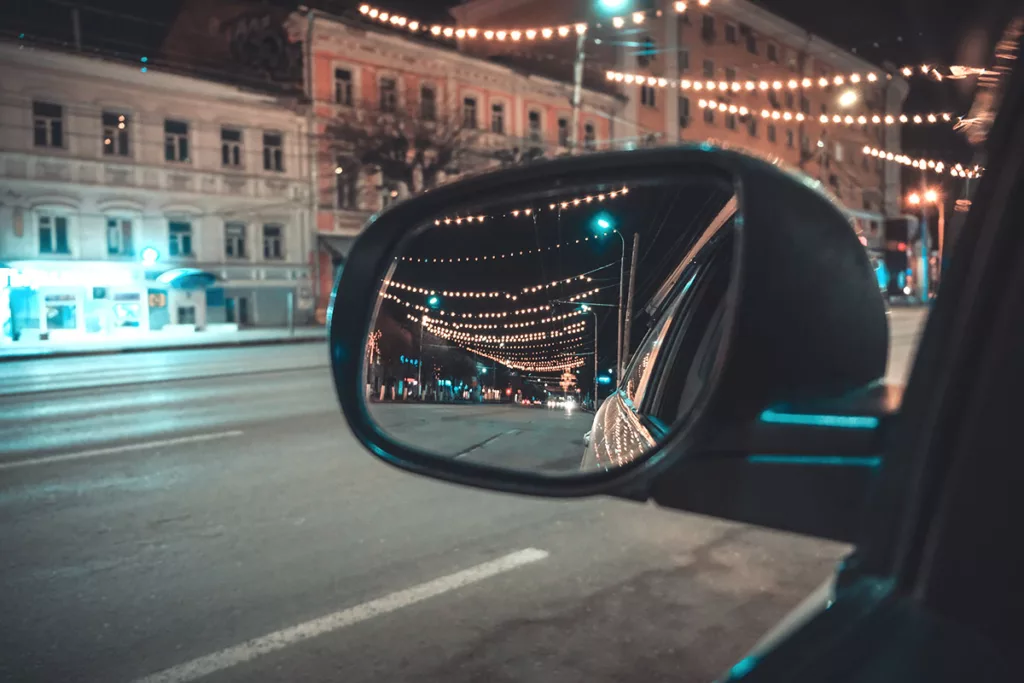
207, 515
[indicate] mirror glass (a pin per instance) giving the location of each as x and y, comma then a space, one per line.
496, 339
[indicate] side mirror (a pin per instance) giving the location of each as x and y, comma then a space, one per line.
473, 323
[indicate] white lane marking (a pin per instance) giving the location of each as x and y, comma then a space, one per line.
146, 445
488, 440
232, 656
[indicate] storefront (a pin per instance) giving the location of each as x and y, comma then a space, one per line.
62, 301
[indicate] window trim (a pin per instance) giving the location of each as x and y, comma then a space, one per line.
241, 146
49, 128
477, 97
263, 138
506, 114
282, 247
121, 218
191, 253
53, 212
245, 255
128, 116
735, 33
596, 140
178, 138
543, 125
399, 99
434, 87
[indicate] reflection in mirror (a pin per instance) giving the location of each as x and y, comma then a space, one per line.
496, 339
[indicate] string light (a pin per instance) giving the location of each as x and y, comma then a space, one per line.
555, 283
501, 338
495, 257
554, 366
955, 170
505, 326
848, 119
453, 314
745, 85
529, 211
584, 295
451, 293
941, 73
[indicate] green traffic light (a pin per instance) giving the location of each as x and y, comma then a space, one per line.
613, 5
434, 302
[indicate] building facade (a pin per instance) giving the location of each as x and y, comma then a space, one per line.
488, 114
135, 201
729, 41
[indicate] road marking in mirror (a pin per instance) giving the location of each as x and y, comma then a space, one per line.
144, 446
232, 656
476, 447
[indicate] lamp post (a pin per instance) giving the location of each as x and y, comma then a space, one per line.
604, 224
586, 308
921, 199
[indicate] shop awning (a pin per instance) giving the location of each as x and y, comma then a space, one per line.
336, 245
187, 278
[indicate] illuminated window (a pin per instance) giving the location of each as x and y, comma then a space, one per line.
115, 134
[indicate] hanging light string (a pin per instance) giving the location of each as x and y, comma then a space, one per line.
848, 119
495, 257
554, 366
581, 277
514, 34
748, 85
453, 314
559, 343
743, 85
502, 338
529, 211
955, 170
504, 326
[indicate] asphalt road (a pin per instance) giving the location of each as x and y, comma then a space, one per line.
206, 514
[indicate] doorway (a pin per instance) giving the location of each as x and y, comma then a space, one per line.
236, 310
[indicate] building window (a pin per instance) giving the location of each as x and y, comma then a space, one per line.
805, 104
498, 118
563, 132
684, 60
469, 113
346, 192
343, 87
771, 132
388, 95
428, 103
589, 136
707, 28
709, 68
273, 152
751, 42
231, 147
535, 130
119, 237
179, 238
647, 96
273, 249
730, 121
730, 74
48, 124
839, 152
792, 61
772, 51
53, 235
647, 52
730, 33
234, 240
789, 100
824, 109
752, 127
176, 141
864, 163
709, 116
684, 111
773, 97
115, 134
789, 139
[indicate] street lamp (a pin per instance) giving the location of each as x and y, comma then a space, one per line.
604, 223
149, 256
929, 196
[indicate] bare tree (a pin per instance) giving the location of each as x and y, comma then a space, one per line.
407, 147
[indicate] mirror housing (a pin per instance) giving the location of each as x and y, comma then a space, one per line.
806, 325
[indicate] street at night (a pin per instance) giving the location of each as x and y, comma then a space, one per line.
162, 510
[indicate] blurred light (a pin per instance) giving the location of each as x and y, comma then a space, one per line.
434, 301
913, 199
931, 196
604, 379
150, 255
338, 170
613, 5
848, 98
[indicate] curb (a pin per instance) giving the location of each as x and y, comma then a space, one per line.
170, 347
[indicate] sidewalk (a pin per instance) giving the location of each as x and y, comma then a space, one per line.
155, 342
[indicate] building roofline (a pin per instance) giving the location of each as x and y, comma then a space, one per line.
401, 41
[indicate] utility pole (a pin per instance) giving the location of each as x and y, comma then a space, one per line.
419, 363
314, 185
924, 240
76, 28
629, 300
577, 88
